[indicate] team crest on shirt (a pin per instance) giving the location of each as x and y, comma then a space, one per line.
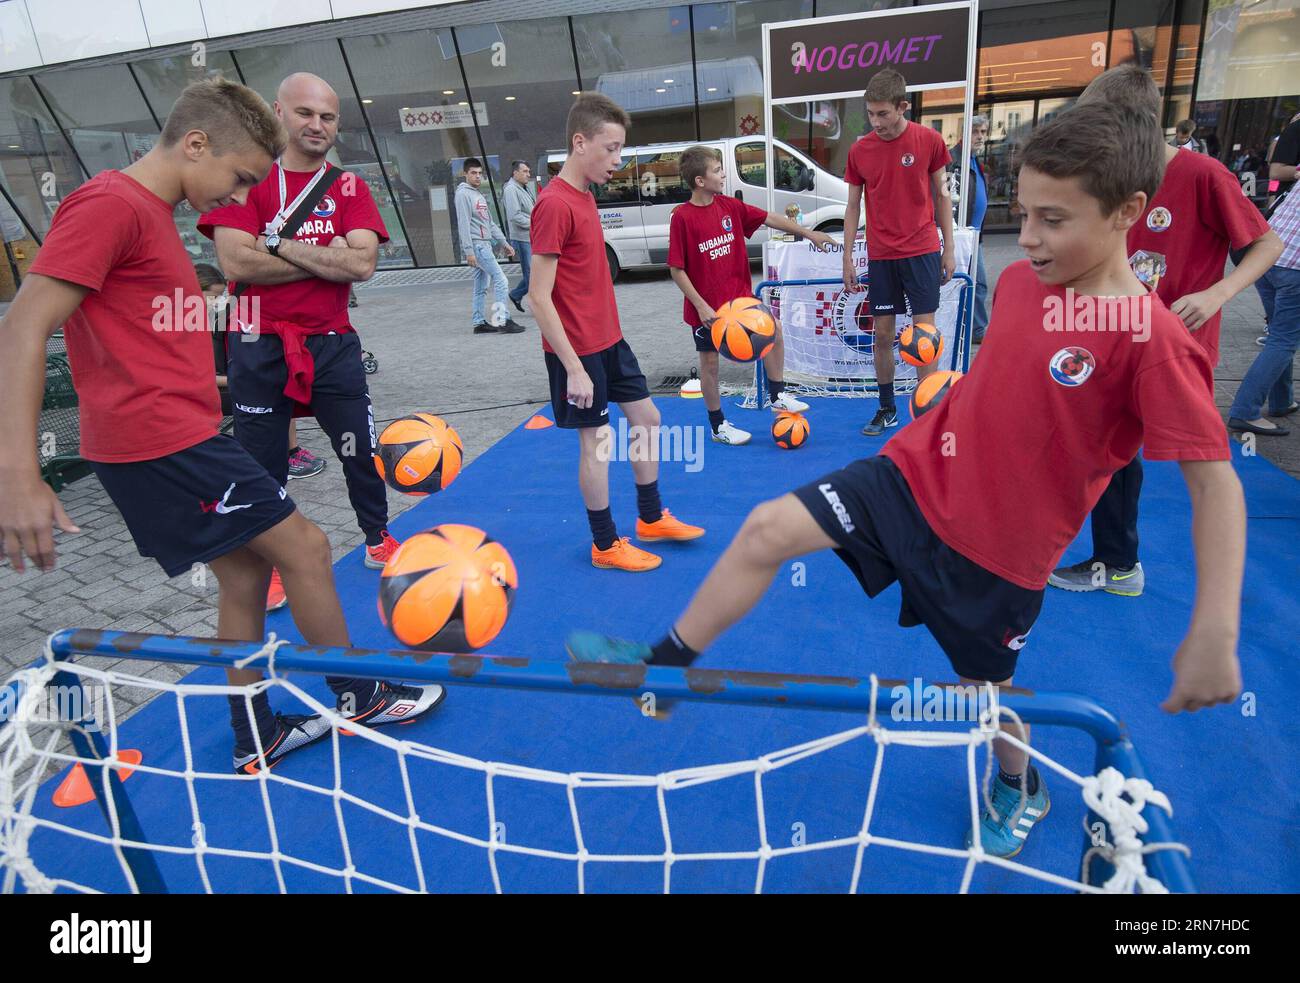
1072, 366
1148, 267
326, 208
909, 160
1159, 219
726, 223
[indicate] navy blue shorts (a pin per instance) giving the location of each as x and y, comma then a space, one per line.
615, 377
905, 286
703, 336
197, 504
979, 619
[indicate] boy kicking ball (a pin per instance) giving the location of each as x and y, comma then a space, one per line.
710, 265
589, 363
1037, 426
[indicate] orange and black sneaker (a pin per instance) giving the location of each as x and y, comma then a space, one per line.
382, 552
667, 526
624, 556
292, 731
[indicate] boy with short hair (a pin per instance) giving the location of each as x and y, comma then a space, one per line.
900, 167
113, 268
589, 363
1038, 423
479, 234
1178, 249
710, 265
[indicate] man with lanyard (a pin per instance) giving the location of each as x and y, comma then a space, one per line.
979, 206
297, 354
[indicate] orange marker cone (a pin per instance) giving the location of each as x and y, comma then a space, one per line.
538, 423
75, 790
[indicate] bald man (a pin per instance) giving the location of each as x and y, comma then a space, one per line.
297, 353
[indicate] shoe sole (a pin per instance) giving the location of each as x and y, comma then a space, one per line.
276, 607
611, 566
669, 539
399, 723
309, 474
775, 409
1074, 588
375, 564
732, 443
868, 432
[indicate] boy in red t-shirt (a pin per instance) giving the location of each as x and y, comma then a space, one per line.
970, 507
589, 363
114, 270
898, 169
1178, 249
710, 265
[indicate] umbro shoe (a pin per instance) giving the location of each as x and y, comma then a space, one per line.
1005, 835
1093, 575
622, 555
378, 555
785, 403
727, 434
393, 703
292, 731
666, 527
882, 421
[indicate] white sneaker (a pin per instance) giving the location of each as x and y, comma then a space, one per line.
727, 434
785, 403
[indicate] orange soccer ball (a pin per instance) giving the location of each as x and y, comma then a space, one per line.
744, 330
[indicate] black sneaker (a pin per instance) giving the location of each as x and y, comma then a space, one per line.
393, 703
293, 731
511, 327
483, 327
882, 421
518, 306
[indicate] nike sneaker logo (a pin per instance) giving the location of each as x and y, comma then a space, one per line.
1123, 576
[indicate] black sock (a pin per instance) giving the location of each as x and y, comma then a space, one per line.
672, 651
243, 728
716, 418
648, 505
376, 537
294, 450
361, 689
775, 389
1014, 780
887, 396
603, 530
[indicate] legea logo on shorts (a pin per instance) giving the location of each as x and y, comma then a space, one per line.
837, 506
1072, 366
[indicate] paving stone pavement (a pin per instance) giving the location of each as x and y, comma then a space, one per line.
485, 385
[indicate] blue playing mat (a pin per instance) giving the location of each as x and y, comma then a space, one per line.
1226, 770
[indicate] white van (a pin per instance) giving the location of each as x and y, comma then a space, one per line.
636, 204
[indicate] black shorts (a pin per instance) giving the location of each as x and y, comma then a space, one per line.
197, 504
904, 286
615, 377
703, 336
979, 619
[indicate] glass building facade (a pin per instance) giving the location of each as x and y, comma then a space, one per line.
421, 90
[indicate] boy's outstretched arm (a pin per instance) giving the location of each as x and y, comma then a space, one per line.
786, 224
1206, 670
29, 509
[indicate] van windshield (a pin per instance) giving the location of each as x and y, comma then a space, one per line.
792, 174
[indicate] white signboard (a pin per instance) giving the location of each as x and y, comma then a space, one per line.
441, 117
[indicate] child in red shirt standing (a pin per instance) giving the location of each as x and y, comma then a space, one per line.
900, 167
113, 268
589, 363
1037, 426
1178, 250
710, 265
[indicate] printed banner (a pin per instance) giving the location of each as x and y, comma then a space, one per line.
830, 333
442, 117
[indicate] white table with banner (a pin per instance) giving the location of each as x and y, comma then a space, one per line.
829, 332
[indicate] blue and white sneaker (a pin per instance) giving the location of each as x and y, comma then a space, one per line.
392, 703
588, 646
1005, 836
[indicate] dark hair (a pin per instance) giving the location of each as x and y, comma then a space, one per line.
1115, 150
471, 162
1187, 126
589, 112
209, 276
231, 114
696, 162
516, 164
886, 85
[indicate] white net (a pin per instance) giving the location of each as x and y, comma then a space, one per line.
35, 855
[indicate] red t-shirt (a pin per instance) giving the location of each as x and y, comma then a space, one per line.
139, 343
566, 224
1181, 244
315, 304
1007, 467
899, 204
708, 242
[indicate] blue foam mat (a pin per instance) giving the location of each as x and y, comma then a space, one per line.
1229, 772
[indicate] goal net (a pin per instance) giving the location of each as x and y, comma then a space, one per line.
830, 341
424, 818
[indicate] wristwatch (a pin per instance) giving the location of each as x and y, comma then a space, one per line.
273, 244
